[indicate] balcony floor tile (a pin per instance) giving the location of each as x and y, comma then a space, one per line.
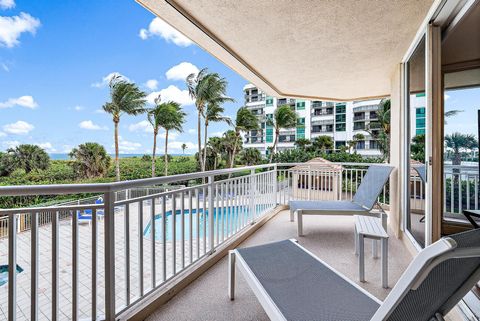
328, 237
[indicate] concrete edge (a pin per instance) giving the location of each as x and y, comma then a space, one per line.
157, 298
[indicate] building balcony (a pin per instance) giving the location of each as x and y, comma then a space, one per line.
120, 257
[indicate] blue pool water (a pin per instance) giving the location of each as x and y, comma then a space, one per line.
4, 273
233, 215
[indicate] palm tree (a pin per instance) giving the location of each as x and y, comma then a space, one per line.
303, 143
251, 156
184, 146
154, 116
90, 160
283, 117
213, 113
29, 157
245, 121
380, 129
7, 164
216, 146
231, 143
205, 87
126, 98
356, 139
323, 143
457, 142
451, 113
171, 118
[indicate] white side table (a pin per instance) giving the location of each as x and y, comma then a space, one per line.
371, 227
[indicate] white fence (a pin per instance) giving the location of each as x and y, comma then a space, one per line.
97, 261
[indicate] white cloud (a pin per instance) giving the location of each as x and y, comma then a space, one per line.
2, 134
171, 136
171, 93
152, 84
10, 144
23, 101
160, 28
181, 71
5, 67
446, 97
19, 128
99, 111
143, 126
90, 125
12, 27
125, 146
106, 80
78, 108
67, 148
216, 134
192, 131
7, 4
47, 146
178, 146
146, 127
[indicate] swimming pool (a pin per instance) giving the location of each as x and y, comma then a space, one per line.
233, 218
4, 273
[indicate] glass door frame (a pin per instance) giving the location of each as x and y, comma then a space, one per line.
433, 135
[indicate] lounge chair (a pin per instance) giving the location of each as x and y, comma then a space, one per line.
292, 284
85, 216
362, 204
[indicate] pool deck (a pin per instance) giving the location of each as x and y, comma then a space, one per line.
84, 264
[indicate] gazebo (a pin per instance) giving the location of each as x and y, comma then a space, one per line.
317, 179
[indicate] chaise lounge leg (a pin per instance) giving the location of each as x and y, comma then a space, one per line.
292, 215
299, 223
231, 275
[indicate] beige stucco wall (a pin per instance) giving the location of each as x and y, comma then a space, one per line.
396, 149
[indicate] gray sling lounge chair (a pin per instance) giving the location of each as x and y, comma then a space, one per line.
292, 284
362, 203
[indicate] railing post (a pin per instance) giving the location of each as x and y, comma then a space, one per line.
275, 184
12, 271
253, 188
309, 182
211, 180
109, 226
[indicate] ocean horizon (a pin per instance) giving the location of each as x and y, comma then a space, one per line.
64, 156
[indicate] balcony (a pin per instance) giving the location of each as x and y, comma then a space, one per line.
322, 111
91, 260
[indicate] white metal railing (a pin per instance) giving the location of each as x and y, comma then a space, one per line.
98, 261
460, 188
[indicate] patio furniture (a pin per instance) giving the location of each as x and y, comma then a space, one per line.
371, 227
362, 204
472, 216
422, 173
293, 284
85, 216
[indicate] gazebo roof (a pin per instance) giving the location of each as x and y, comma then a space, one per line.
319, 163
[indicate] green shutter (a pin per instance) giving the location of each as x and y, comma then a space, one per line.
300, 104
269, 101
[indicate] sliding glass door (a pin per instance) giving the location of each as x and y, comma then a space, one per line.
415, 168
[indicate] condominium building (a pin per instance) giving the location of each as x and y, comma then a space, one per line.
339, 120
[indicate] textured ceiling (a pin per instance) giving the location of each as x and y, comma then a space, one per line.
337, 49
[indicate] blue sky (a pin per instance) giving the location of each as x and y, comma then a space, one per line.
55, 58
468, 101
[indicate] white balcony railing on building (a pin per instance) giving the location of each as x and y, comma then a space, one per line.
99, 261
